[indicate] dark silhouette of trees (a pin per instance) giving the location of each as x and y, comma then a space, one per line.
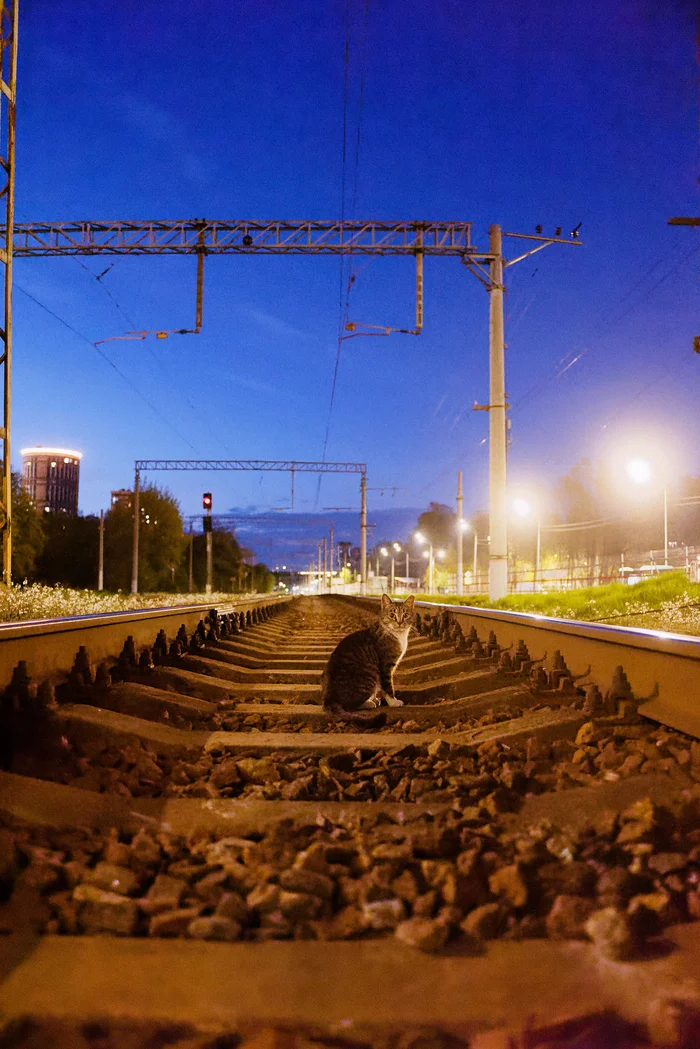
28, 535
70, 552
161, 542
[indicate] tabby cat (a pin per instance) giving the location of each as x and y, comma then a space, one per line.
360, 671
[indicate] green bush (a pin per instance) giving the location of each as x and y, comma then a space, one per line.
590, 603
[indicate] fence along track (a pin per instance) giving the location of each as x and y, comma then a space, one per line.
429, 816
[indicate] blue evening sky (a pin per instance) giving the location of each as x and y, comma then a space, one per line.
487, 111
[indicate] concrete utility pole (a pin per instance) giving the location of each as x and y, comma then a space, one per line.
135, 547
493, 282
331, 558
460, 537
101, 557
8, 81
325, 565
498, 497
363, 535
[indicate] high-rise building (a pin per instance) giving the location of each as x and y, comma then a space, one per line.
51, 476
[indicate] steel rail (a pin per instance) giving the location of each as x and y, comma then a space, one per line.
663, 668
48, 647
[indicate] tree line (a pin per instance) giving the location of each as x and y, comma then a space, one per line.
57, 548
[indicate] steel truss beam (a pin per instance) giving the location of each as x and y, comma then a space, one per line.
289, 466
8, 79
242, 238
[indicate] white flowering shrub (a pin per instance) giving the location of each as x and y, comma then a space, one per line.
37, 601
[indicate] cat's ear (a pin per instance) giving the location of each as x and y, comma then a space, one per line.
408, 603
386, 601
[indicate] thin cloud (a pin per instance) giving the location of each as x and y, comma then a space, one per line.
252, 384
274, 324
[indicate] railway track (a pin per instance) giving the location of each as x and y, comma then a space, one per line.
194, 854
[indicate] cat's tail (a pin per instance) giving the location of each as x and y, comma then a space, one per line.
366, 718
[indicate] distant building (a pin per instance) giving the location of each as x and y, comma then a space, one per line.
122, 497
51, 477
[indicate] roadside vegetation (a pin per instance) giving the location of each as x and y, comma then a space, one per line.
667, 602
36, 601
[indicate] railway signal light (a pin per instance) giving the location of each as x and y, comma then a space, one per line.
206, 501
207, 524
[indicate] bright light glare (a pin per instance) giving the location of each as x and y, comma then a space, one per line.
441, 553
639, 471
419, 537
463, 525
426, 554
397, 548
383, 551
521, 507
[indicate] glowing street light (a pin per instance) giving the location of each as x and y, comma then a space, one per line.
640, 471
395, 547
420, 538
523, 508
462, 527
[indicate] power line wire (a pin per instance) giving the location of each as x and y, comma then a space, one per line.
105, 358
133, 326
345, 286
341, 281
573, 357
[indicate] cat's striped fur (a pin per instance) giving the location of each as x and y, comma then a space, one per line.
360, 672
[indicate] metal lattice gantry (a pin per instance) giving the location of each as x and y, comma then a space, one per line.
241, 237
8, 79
260, 465
245, 237
291, 466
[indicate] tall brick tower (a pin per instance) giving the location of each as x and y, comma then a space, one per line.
51, 476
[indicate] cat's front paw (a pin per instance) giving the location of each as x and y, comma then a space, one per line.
394, 702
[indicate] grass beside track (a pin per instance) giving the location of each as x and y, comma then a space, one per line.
668, 602
36, 601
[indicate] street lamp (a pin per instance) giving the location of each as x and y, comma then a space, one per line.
522, 508
462, 527
396, 549
420, 538
385, 553
640, 472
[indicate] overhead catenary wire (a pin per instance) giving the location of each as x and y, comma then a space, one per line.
607, 320
203, 417
573, 356
346, 276
111, 363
